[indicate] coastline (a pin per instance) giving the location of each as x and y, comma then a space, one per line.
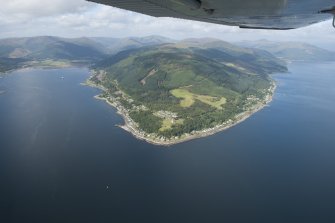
45, 64
131, 127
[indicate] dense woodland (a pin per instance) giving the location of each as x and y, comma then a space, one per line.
149, 75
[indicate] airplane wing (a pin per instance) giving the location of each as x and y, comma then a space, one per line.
255, 14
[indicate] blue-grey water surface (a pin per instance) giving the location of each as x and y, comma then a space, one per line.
63, 160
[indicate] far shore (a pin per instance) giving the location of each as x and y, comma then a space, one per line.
46, 64
131, 127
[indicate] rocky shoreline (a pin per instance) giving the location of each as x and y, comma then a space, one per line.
132, 127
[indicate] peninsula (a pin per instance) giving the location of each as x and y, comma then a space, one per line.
172, 93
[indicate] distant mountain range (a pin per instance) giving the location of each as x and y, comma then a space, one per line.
17, 50
292, 51
115, 45
48, 47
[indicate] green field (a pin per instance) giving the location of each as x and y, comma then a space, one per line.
189, 98
168, 123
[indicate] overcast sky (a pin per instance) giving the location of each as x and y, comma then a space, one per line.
76, 18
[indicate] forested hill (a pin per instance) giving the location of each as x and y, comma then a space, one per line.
203, 82
211, 64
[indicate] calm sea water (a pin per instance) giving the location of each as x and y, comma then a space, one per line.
63, 160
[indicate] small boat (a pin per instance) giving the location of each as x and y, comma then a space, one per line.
61, 77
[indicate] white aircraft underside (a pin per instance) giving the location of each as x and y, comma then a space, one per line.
256, 14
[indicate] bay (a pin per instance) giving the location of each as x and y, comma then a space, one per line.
62, 159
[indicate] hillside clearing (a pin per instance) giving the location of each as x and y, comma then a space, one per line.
168, 122
189, 98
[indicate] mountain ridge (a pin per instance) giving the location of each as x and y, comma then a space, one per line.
96, 48
292, 51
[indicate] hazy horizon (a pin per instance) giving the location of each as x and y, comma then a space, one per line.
318, 44
79, 18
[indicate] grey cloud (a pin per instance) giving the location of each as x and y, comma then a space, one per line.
80, 18
38, 8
